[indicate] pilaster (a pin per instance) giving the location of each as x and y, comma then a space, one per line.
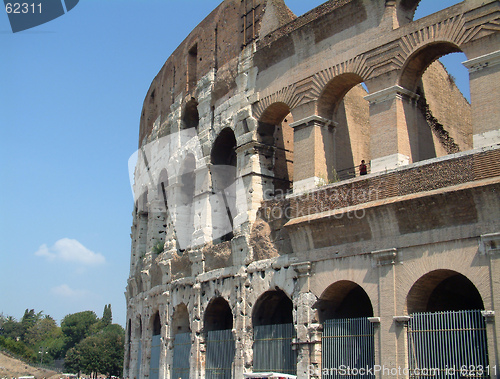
390, 141
313, 152
484, 76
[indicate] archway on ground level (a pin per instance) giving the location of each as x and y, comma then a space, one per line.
190, 116
154, 362
218, 323
343, 101
223, 170
181, 334
276, 150
439, 118
274, 332
218, 315
348, 334
443, 290
446, 318
344, 299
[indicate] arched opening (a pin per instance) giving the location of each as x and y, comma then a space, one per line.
274, 332
412, 10
191, 118
223, 157
142, 228
275, 136
220, 340
185, 207
343, 102
218, 315
344, 299
446, 319
154, 363
128, 343
443, 290
344, 309
181, 333
439, 118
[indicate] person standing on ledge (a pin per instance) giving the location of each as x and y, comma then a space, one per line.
362, 168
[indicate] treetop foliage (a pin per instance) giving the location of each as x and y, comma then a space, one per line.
87, 343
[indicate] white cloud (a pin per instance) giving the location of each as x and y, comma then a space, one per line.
66, 291
70, 250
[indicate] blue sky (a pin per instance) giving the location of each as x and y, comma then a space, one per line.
71, 93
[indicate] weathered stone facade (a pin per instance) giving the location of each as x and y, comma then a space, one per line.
306, 238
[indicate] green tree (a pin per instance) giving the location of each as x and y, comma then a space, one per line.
100, 353
107, 316
76, 327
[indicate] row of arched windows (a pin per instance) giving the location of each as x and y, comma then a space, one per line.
434, 294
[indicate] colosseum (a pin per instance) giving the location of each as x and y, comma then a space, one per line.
315, 197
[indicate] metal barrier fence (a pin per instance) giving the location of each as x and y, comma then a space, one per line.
451, 344
154, 366
347, 346
272, 349
182, 351
220, 354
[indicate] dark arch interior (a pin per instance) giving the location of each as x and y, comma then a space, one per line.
156, 325
218, 315
191, 117
344, 299
335, 91
276, 138
273, 308
443, 290
223, 151
180, 320
421, 60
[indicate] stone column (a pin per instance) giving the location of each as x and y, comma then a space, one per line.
484, 76
313, 154
306, 323
390, 141
490, 245
390, 336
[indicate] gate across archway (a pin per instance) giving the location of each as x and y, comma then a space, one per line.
273, 349
182, 351
448, 345
220, 354
347, 348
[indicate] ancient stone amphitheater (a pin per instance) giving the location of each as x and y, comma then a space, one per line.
259, 241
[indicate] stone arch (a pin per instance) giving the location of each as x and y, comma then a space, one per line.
443, 290
223, 170
272, 307
275, 136
156, 324
180, 320
332, 94
344, 299
218, 315
342, 100
190, 115
420, 59
438, 117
